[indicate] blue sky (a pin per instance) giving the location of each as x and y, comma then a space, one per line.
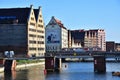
78, 14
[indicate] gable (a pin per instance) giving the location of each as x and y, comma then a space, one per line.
32, 19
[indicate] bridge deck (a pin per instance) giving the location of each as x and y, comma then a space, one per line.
70, 54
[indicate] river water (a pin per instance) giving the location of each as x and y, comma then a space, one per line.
69, 71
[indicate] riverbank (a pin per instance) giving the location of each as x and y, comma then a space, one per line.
23, 66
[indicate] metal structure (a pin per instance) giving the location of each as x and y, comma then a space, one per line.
88, 54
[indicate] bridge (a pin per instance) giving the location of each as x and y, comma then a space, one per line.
88, 54
53, 59
67, 54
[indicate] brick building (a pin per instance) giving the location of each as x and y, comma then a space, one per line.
110, 46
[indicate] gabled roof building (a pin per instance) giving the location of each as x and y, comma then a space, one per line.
56, 35
22, 31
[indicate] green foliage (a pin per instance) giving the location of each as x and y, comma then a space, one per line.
28, 61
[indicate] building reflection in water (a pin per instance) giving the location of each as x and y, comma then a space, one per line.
31, 73
10, 75
13, 75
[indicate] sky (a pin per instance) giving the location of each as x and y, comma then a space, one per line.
78, 14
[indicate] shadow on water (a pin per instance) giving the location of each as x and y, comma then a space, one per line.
16, 75
10, 75
70, 71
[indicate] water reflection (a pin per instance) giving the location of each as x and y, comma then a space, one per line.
70, 71
10, 75
7, 75
22, 74
15, 75
31, 73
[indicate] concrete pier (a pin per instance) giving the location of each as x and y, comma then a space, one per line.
52, 64
9, 65
99, 64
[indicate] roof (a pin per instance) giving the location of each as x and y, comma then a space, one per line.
59, 23
11, 14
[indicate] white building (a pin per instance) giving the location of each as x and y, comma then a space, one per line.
56, 35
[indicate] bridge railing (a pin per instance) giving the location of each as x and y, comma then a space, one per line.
88, 53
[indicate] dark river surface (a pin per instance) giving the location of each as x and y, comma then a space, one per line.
72, 71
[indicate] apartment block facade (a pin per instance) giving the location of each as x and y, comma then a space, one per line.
22, 31
94, 39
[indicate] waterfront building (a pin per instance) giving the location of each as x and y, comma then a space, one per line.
76, 38
95, 39
110, 46
88, 39
22, 31
56, 35
117, 46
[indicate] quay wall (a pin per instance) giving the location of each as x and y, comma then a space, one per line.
23, 66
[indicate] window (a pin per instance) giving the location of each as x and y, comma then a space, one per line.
33, 24
32, 30
32, 41
41, 26
40, 21
40, 36
40, 31
31, 48
31, 35
32, 18
40, 15
40, 42
40, 48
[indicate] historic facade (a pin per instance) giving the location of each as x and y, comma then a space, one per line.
89, 39
22, 31
56, 35
95, 38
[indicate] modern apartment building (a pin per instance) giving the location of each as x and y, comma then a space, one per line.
56, 35
22, 31
91, 39
95, 38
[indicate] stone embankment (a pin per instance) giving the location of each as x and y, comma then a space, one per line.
23, 66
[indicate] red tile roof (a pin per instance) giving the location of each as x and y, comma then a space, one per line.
60, 23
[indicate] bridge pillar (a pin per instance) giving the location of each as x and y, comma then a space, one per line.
52, 64
63, 60
9, 65
58, 64
99, 64
1, 62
